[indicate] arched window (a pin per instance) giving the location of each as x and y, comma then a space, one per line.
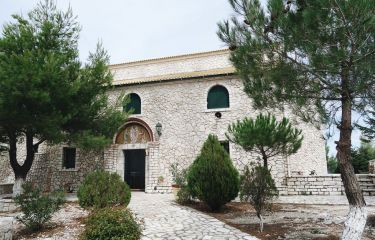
134, 103
218, 97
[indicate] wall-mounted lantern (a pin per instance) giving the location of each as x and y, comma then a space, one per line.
159, 127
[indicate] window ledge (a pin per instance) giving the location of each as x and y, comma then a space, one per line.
217, 110
136, 115
69, 170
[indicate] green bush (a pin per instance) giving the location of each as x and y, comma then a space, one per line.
258, 188
183, 195
111, 224
102, 189
212, 178
37, 208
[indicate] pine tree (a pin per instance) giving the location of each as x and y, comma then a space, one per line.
46, 95
258, 188
316, 57
266, 136
331, 162
368, 129
361, 156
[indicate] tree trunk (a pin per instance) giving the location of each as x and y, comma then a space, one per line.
260, 223
356, 219
355, 223
20, 172
17, 187
264, 156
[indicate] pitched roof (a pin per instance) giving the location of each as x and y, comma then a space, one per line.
174, 67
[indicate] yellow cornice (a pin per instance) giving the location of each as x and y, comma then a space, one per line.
204, 73
170, 58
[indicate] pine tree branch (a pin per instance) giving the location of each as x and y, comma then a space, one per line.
363, 56
341, 13
309, 70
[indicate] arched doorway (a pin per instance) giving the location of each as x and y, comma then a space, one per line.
135, 131
133, 139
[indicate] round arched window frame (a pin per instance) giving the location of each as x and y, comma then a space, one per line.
218, 97
134, 104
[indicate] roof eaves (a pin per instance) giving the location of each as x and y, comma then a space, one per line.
206, 73
170, 58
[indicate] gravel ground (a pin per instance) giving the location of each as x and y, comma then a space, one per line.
295, 218
291, 221
66, 224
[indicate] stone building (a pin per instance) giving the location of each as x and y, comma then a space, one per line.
177, 102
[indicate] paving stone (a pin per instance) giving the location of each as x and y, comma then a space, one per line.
164, 219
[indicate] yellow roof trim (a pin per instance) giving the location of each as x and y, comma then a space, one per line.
170, 58
218, 71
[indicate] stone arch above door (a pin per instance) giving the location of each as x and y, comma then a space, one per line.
134, 131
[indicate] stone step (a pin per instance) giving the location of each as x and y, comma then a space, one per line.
369, 190
365, 180
368, 193
367, 185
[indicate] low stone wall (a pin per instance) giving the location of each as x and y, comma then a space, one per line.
7, 205
6, 188
315, 185
162, 189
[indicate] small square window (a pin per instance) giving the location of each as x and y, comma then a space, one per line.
225, 145
69, 158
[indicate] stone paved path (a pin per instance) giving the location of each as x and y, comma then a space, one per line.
164, 219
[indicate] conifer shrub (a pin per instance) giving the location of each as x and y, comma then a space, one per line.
111, 224
102, 189
212, 178
37, 208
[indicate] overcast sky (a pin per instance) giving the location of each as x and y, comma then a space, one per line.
141, 29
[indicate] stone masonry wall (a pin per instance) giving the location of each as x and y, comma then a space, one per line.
181, 107
47, 171
315, 185
167, 66
371, 167
6, 188
6, 172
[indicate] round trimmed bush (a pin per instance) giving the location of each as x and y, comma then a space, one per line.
212, 178
102, 189
111, 224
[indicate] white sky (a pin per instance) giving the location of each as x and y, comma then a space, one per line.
141, 29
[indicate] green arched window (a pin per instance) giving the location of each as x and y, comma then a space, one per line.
218, 97
134, 104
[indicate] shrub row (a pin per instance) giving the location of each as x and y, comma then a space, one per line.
103, 192
111, 224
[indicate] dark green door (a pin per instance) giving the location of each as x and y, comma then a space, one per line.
135, 168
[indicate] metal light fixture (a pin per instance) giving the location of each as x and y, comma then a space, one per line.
159, 127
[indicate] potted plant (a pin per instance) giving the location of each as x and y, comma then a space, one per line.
178, 177
160, 180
